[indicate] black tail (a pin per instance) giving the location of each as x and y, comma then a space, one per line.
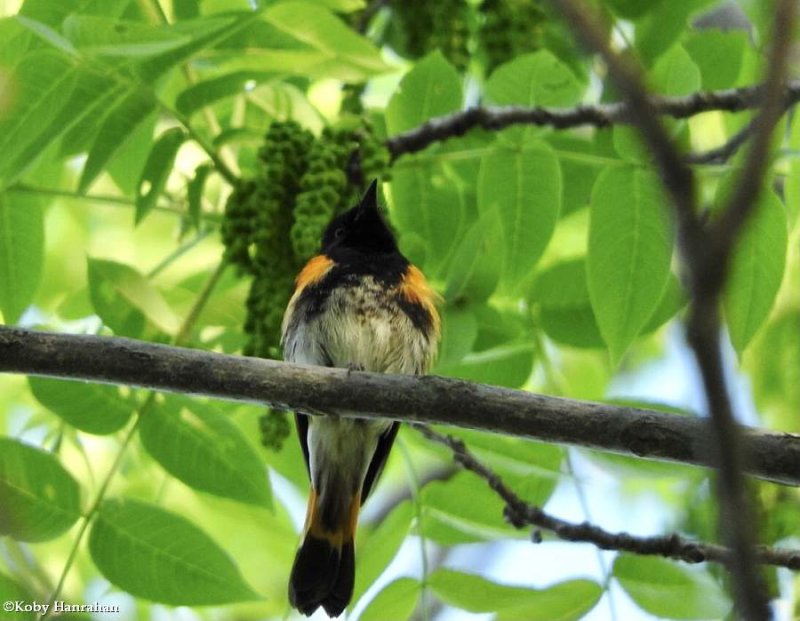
323, 575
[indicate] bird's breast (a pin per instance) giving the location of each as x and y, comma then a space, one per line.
360, 322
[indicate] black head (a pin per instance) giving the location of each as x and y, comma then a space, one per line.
361, 228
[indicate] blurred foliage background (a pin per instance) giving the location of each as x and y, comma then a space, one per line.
165, 167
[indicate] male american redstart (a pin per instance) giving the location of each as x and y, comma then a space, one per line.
362, 305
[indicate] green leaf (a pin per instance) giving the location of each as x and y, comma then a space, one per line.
578, 160
377, 546
196, 443
476, 262
163, 557
718, 55
576, 327
630, 248
756, 270
327, 46
508, 365
669, 590
661, 26
566, 313
105, 36
21, 253
675, 73
202, 33
538, 79
427, 203
94, 94
157, 170
791, 183
431, 88
772, 363
196, 96
194, 193
41, 85
94, 408
532, 469
524, 188
631, 9
459, 331
39, 498
124, 117
127, 164
448, 520
561, 602
123, 298
562, 285
48, 35
673, 300
13, 592
397, 600
45, 11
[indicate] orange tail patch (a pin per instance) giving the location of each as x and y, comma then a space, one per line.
323, 573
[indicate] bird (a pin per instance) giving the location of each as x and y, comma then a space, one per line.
358, 304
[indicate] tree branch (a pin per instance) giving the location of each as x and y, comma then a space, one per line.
600, 115
706, 252
521, 514
631, 431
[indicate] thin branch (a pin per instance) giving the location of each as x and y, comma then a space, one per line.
521, 514
439, 473
600, 115
174, 206
724, 152
626, 430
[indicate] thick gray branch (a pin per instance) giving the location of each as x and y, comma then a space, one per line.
626, 430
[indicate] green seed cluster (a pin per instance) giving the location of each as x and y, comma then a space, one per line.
341, 154
258, 219
428, 26
498, 30
275, 428
273, 222
510, 28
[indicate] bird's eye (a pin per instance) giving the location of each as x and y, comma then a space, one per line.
339, 233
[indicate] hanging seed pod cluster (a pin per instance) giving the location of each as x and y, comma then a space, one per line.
273, 222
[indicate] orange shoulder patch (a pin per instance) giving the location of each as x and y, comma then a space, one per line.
415, 288
313, 271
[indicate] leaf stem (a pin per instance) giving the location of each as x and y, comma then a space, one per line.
98, 499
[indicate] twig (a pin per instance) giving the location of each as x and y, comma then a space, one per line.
521, 514
440, 473
620, 429
600, 115
722, 153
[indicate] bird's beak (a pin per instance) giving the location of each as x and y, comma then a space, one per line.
369, 202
